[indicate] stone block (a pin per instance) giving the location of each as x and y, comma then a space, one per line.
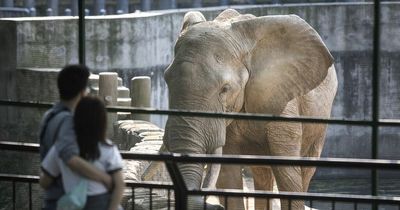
123, 92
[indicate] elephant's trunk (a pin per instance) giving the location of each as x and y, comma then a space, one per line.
188, 135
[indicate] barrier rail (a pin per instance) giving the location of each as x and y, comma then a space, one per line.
241, 116
105, 7
182, 193
15, 178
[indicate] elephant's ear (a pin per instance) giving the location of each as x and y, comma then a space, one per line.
227, 15
286, 58
192, 18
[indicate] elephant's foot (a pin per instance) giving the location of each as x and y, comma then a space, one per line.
210, 206
197, 203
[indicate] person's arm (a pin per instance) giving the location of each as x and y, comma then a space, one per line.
118, 190
49, 169
84, 168
45, 180
68, 151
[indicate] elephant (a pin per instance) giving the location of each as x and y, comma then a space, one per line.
240, 63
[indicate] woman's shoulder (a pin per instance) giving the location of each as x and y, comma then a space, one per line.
108, 143
107, 146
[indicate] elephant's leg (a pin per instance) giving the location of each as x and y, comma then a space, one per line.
284, 139
315, 134
211, 177
230, 177
263, 180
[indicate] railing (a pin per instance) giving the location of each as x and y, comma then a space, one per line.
106, 7
182, 193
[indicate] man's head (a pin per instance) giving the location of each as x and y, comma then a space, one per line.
72, 81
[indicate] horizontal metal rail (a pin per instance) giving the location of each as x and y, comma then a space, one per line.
237, 193
149, 184
299, 196
240, 116
235, 159
129, 183
19, 178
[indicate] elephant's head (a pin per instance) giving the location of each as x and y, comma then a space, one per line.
237, 63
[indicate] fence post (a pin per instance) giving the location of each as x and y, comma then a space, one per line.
122, 6
99, 5
140, 95
53, 5
168, 4
145, 5
8, 3
108, 92
197, 3
180, 189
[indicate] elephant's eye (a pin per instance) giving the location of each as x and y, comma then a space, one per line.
225, 89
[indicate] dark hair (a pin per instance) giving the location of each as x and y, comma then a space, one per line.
90, 126
71, 80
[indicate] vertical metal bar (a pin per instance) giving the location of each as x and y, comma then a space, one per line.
169, 199
145, 5
197, 3
375, 95
355, 205
81, 22
133, 198
99, 7
13, 194
333, 205
226, 202
181, 192
311, 203
30, 196
151, 199
290, 204
205, 203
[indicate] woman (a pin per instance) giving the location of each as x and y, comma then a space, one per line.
90, 127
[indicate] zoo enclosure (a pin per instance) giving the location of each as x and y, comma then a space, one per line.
375, 124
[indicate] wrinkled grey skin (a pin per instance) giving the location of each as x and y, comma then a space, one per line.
240, 63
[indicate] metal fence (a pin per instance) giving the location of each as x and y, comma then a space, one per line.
107, 7
180, 190
181, 193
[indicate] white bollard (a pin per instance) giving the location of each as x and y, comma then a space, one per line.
140, 95
108, 92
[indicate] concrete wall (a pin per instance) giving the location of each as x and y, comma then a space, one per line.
142, 44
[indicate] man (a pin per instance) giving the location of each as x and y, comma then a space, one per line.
57, 128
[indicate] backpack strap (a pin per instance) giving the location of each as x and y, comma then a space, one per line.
52, 115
